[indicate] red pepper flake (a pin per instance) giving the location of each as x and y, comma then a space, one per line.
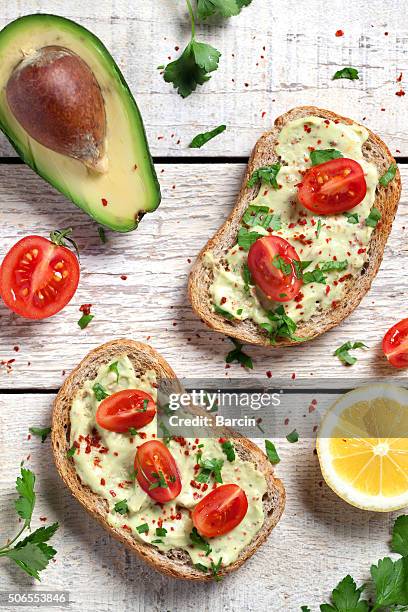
327, 290
307, 128
127, 528
335, 304
195, 484
104, 202
85, 308
43, 518
29, 437
103, 482
400, 93
269, 374
160, 137
339, 33
123, 277
16, 348
204, 487
399, 78
263, 114
223, 300
293, 375
112, 493
180, 440
286, 421
361, 251
142, 434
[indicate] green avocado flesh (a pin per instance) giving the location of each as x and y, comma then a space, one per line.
129, 188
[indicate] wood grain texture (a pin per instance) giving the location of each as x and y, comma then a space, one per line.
275, 56
151, 304
318, 541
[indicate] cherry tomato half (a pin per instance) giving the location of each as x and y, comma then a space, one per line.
220, 511
270, 261
38, 278
128, 408
333, 187
156, 471
395, 344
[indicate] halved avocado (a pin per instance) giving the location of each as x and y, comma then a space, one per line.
119, 196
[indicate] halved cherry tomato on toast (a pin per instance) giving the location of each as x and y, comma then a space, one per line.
157, 472
220, 511
333, 187
395, 344
38, 277
124, 409
270, 262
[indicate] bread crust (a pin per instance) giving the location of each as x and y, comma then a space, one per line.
387, 198
176, 564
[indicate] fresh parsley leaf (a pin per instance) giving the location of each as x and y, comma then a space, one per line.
305, 609
144, 528
271, 452
260, 216
85, 320
71, 451
300, 266
121, 507
267, 174
293, 436
346, 597
343, 352
201, 139
222, 312
209, 467
215, 568
388, 176
352, 217
316, 276
247, 238
42, 534
32, 558
346, 73
192, 67
246, 275
229, 450
373, 218
284, 326
320, 156
332, 265
391, 582
114, 368
399, 543
199, 541
102, 235
223, 8
238, 355
42, 432
161, 532
99, 391
25, 503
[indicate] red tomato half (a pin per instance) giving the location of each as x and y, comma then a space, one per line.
156, 471
38, 278
128, 408
395, 344
266, 258
220, 511
333, 187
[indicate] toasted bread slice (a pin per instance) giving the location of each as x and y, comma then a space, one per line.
175, 563
387, 198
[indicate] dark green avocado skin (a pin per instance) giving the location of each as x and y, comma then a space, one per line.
150, 193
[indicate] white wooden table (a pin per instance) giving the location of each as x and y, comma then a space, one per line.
320, 539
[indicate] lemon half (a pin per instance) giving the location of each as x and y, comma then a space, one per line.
362, 446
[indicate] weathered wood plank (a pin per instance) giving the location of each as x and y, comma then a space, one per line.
319, 540
274, 56
151, 304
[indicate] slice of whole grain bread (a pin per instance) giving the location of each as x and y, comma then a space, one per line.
264, 154
175, 563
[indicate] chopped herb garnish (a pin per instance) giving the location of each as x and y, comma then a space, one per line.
284, 326
144, 528
132, 431
388, 176
220, 8
316, 276
161, 532
157, 542
332, 265
71, 451
42, 432
215, 568
114, 368
320, 156
238, 355
201, 567
261, 217
352, 217
343, 352
199, 541
160, 482
102, 235
145, 405
293, 436
247, 238
300, 266
209, 467
166, 433
121, 507
222, 312
201, 139
239, 311
271, 452
85, 320
282, 265
319, 227
246, 275
228, 449
267, 174
99, 391
346, 73
373, 218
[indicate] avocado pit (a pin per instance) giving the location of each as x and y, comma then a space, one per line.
55, 97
